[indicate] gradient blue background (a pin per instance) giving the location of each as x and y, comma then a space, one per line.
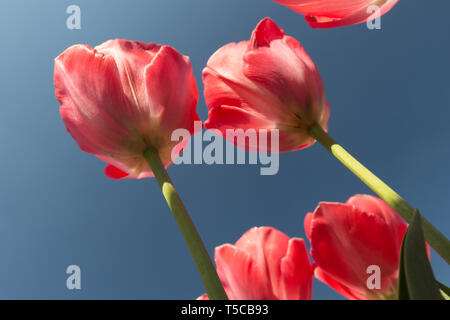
389, 94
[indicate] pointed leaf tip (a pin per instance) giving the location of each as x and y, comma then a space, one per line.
416, 279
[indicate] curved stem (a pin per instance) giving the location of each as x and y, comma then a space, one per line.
435, 238
198, 251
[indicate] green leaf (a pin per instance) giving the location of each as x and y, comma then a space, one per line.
416, 279
403, 292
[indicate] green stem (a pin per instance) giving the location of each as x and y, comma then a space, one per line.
198, 251
435, 238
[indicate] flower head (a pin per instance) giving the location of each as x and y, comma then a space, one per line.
347, 238
264, 264
337, 13
122, 97
268, 83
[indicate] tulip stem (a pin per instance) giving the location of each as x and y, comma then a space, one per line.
435, 238
196, 247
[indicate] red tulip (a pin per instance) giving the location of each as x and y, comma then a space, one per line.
347, 238
122, 97
337, 13
268, 83
264, 264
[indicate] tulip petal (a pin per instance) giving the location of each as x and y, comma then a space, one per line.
231, 118
265, 32
174, 96
242, 277
337, 286
114, 173
371, 204
226, 84
296, 273
132, 58
333, 8
307, 224
269, 247
265, 264
286, 71
81, 93
346, 241
336, 13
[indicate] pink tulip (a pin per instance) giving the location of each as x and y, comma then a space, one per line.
268, 83
347, 238
122, 97
337, 13
264, 264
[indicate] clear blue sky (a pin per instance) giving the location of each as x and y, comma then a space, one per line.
390, 100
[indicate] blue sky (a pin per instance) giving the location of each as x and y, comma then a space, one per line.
388, 91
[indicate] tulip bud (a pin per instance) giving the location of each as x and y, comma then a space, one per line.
266, 83
122, 97
332, 13
264, 264
349, 241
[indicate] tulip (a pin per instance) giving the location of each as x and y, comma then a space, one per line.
266, 83
270, 83
122, 97
264, 264
337, 13
347, 238
121, 101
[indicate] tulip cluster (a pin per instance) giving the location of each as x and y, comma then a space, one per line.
121, 101
346, 239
